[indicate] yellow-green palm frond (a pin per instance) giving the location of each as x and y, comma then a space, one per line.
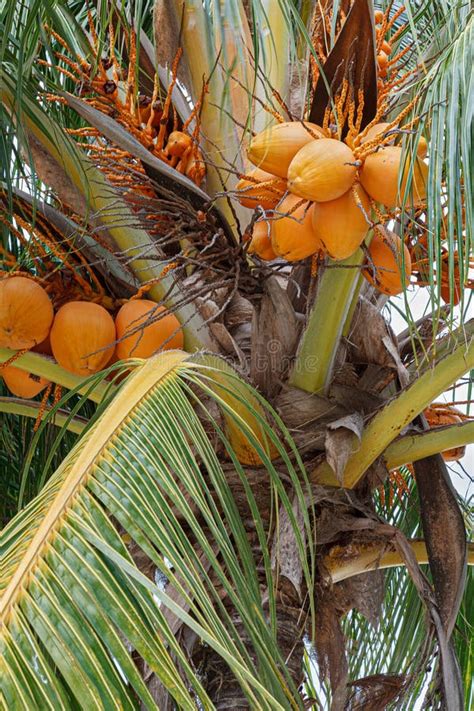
74, 605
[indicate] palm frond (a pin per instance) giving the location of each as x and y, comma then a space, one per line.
147, 462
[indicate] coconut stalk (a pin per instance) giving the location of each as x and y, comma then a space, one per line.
400, 411
47, 368
32, 408
376, 557
213, 52
412, 447
328, 319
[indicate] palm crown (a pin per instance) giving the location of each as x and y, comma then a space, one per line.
214, 442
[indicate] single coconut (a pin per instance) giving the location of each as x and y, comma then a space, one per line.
292, 234
21, 383
440, 415
340, 225
322, 170
274, 148
384, 270
380, 177
261, 243
144, 328
26, 313
82, 337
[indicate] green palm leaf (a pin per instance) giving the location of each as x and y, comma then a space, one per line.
69, 600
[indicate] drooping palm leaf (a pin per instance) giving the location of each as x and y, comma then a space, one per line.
149, 463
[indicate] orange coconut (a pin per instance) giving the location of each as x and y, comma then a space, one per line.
340, 225
322, 170
250, 194
379, 176
376, 130
178, 142
385, 270
440, 415
21, 383
379, 17
382, 61
293, 236
261, 242
445, 289
26, 313
139, 318
82, 337
274, 148
196, 168
422, 147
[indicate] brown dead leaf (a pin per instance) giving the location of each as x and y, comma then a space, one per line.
368, 330
341, 437
285, 552
274, 337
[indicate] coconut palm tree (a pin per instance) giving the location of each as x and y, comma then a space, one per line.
262, 518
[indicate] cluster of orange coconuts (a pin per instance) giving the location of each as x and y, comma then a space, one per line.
82, 336
318, 196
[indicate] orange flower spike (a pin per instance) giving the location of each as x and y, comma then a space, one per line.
326, 120
166, 108
61, 70
81, 68
392, 62
276, 95
394, 18
381, 32
381, 490
83, 63
390, 493
394, 38
13, 358
112, 57
340, 106
94, 40
42, 407
131, 87
168, 268
58, 391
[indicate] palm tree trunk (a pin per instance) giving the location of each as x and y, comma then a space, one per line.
224, 688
